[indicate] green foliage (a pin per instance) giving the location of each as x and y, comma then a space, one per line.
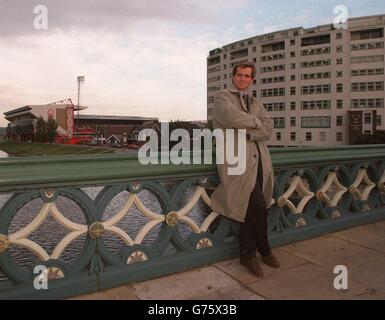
40, 134
51, 126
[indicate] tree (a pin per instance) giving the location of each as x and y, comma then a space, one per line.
40, 134
18, 131
51, 126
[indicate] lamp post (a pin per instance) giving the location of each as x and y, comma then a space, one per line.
80, 81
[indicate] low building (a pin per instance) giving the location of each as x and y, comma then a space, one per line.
75, 128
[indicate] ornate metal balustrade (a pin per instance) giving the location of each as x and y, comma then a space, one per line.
140, 222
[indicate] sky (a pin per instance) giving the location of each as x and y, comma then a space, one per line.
139, 58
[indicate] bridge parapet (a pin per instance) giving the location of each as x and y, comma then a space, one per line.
95, 222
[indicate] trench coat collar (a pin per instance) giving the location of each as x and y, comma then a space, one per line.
234, 90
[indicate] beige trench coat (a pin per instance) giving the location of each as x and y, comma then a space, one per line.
232, 196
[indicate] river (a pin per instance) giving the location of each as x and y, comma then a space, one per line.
49, 234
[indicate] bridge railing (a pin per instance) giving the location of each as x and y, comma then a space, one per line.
73, 225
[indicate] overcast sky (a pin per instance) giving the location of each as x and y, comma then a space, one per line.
139, 58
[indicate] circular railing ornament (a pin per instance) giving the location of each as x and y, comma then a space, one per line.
96, 230
320, 195
4, 243
172, 218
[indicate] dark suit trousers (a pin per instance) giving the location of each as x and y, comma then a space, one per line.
253, 232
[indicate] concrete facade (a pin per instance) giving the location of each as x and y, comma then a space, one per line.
309, 79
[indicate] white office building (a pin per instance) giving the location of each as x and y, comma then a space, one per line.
312, 80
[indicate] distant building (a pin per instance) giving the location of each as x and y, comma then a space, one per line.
310, 79
3, 134
74, 128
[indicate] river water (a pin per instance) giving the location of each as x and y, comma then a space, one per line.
3, 154
49, 234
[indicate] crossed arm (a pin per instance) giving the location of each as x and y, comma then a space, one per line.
259, 127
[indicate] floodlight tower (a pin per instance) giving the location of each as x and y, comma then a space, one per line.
80, 81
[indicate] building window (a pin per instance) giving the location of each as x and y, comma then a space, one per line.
339, 104
378, 120
254, 93
225, 56
339, 74
292, 42
292, 91
308, 136
367, 118
339, 48
315, 104
339, 136
292, 54
339, 35
254, 49
279, 122
292, 65
210, 99
322, 136
273, 92
339, 87
315, 122
367, 103
292, 105
292, 121
275, 106
368, 86
339, 121
278, 136
292, 77
339, 60
292, 136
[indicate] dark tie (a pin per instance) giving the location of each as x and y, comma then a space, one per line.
246, 100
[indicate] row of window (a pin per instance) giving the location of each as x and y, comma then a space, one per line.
367, 72
213, 79
365, 59
213, 89
308, 136
275, 106
214, 69
368, 86
273, 92
310, 52
321, 88
318, 75
367, 45
308, 105
279, 67
315, 89
271, 57
317, 104
367, 103
273, 79
308, 121
317, 63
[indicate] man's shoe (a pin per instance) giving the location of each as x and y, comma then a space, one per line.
253, 266
271, 261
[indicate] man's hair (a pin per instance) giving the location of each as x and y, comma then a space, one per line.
243, 65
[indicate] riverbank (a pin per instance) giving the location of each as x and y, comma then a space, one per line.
44, 149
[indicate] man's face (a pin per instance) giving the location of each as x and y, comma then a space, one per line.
242, 78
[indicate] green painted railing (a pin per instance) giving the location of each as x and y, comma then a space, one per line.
160, 214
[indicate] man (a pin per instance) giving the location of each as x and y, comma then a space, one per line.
246, 197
